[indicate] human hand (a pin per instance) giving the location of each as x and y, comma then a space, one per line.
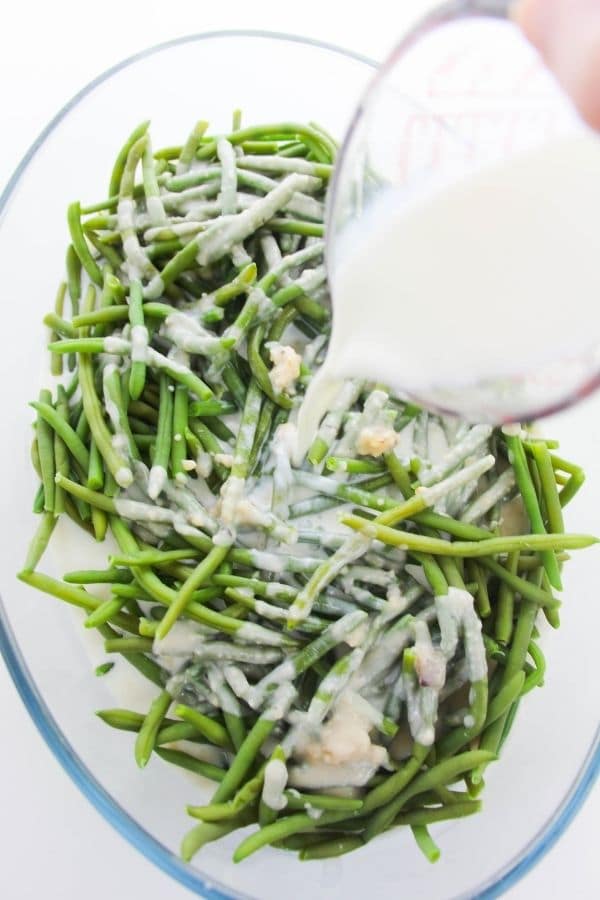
567, 34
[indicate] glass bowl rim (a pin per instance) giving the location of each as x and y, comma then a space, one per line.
507, 876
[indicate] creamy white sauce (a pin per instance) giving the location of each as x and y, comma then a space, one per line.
340, 752
496, 492
431, 495
286, 367
189, 335
182, 642
352, 549
139, 343
456, 614
544, 204
116, 345
276, 776
475, 438
156, 210
375, 440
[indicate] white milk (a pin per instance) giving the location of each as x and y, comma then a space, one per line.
490, 277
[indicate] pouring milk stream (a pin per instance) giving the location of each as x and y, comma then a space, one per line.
490, 277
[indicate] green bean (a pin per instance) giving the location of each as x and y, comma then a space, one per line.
60, 326
494, 734
104, 249
238, 285
144, 744
333, 635
443, 773
353, 466
219, 429
45, 444
143, 664
128, 645
261, 435
505, 697
137, 374
121, 719
80, 246
179, 373
246, 795
572, 486
260, 371
210, 408
211, 730
154, 204
525, 588
165, 595
456, 739
200, 574
535, 678
247, 432
171, 732
39, 541
37, 506
519, 463
144, 411
167, 153
162, 447
296, 226
99, 576
192, 144
506, 602
180, 423
56, 361
484, 548
62, 461
244, 759
73, 267
318, 143
115, 462
116, 405
191, 763
79, 345
482, 598
95, 471
60, 425
425, 843
75, 596
202, 834
283, 828
429, 815
152, 557
103, 669
105, 612
281, 322
334, 846
120, 313
99, 523
296, 800
363, 495
508, 721
119, 166
543, 461
267, 814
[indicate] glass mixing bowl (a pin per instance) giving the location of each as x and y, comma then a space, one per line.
553, 753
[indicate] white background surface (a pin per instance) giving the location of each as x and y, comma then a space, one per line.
54, 844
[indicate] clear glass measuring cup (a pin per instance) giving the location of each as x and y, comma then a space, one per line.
462, 96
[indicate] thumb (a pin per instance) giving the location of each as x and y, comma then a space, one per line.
567, 35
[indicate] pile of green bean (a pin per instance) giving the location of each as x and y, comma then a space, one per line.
167, 429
